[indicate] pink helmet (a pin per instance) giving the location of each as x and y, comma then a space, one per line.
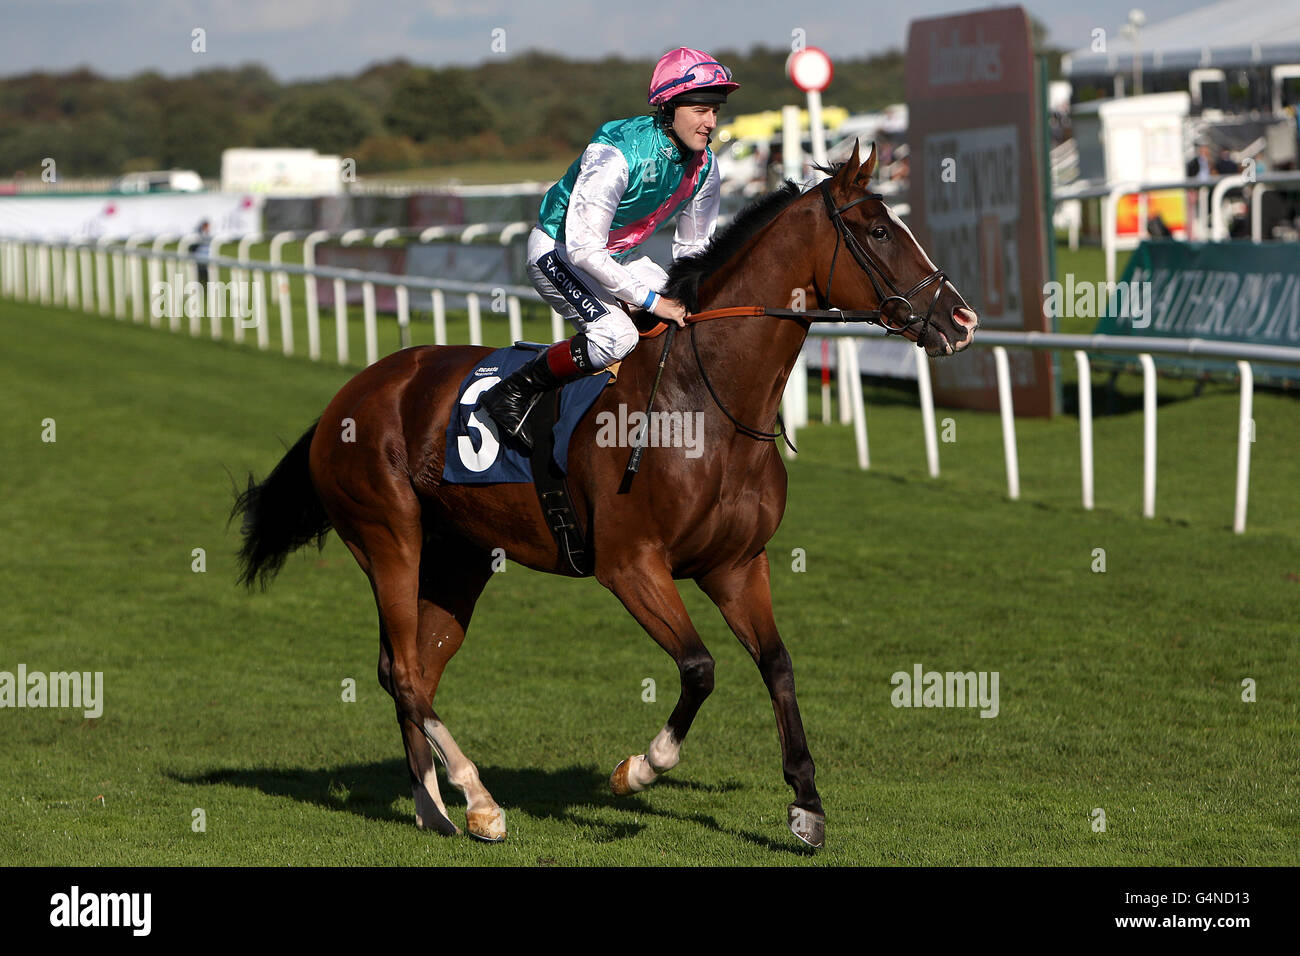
692, 74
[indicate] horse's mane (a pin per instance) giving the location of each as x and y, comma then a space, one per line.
686, 273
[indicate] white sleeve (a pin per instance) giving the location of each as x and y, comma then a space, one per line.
602, 180
697, 221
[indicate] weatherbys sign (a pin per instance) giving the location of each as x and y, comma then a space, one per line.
975, 196
1230, 292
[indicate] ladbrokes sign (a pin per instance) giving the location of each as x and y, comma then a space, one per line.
976, 202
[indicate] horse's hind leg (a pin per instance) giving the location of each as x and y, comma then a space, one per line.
452, 576
648, 592
423, 611
744, 596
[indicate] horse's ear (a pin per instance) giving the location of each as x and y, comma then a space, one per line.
851, 166
869, 167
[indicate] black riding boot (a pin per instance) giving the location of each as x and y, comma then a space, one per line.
510, 400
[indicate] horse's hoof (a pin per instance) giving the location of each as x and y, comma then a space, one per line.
487, 825
623, 780
807, 826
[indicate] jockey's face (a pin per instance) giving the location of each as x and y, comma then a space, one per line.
693, 124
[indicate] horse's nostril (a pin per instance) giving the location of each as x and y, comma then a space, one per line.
966, 318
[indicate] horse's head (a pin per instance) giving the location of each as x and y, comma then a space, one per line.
878, 264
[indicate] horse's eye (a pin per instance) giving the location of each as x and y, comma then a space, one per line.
880, 233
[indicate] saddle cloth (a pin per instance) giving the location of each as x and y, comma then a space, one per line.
475, 453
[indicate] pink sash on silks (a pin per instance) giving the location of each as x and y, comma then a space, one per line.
632, 235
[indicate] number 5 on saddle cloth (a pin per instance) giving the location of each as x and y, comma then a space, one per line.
477, 456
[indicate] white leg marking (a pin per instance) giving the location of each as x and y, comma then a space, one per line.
460, 769
664, 752
639, 773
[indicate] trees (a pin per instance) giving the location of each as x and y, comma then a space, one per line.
321, 118
436, 104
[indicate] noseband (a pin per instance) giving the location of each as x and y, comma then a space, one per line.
895, 314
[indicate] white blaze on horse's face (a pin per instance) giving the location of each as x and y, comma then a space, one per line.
965, 318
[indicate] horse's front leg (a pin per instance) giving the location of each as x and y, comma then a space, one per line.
647, 590
744, 596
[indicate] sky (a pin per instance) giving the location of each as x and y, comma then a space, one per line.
303, 39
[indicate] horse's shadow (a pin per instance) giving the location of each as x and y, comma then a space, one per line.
372, 790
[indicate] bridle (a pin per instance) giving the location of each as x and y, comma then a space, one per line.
895, 313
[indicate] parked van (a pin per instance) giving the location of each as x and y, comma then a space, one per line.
161, 181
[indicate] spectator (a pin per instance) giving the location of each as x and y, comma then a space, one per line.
1224, 165
1202, 166
200, 249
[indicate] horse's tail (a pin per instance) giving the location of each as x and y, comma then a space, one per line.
280, 515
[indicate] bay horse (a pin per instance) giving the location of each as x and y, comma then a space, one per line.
371, 469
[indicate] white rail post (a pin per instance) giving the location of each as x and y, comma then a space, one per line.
1218, 226
403, 316
119, 284
40, 293
70, 275
1085, 425
514, 229
88, 280
257, 282
15, 269
56, 275
22, 259
475, 319
926, 392
516, 319
1257, 212
371, 323
309, 286
101, 275
341, 321
557, 327
1148, 435
842, 347
136, 263
439, 317
33, 271
1245, 435
858, 409
280, 282
240, 282
1008, 422
158, 267
826, 381
187, 271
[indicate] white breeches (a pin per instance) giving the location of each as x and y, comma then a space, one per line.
610, 333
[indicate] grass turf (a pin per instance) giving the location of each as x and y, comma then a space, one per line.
1119, 690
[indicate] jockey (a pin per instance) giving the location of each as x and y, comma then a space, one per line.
634, 175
